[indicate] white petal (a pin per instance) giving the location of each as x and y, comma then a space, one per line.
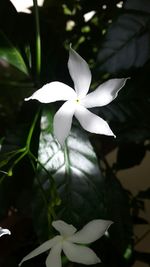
24, 6
92, 122
91, 232
44, 247
79, 72
54, 91
4, 232
63, 121
104, 94
80, 254
64, 228
54, 257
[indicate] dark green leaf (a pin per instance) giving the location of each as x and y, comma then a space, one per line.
128, 115
126, 44
10, 56
76, 173
138, 5
129, 155
84, 193
116, 202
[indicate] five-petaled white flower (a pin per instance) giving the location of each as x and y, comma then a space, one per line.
78, 100
69, 242
4, 232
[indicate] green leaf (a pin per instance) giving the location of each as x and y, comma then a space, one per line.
126, 44
138, 5
128, 115
76, 173
116, 202
10, 56
129, 155
85, 194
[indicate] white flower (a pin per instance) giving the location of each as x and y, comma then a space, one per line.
78, 100
4, 232
68, 241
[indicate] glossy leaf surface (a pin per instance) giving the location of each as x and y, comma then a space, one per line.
10, 56
122, 48
75, 171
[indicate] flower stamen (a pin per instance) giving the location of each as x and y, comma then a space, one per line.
77, 101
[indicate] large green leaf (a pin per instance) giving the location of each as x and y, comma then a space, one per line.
138, 5
85, 194
128, 115
129, 155
126, 44
76, 173
116, 201
10, 56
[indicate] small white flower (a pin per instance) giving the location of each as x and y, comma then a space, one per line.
78, 100
69, 242
4, 232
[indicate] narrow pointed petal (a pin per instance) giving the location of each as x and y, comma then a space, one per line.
91, 122
44, 247
91, 232
54, 91
63, 121
54, 257
79, 72
64, 228
80, 254
104, 94
4, 232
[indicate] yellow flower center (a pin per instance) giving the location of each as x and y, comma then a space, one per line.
77, 101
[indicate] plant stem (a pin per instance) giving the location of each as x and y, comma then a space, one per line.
38, 40
67, 160
31, 131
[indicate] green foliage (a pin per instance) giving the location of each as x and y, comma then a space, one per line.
116, 202
129, 155
76, 175
10, 56
120, 42
40, 179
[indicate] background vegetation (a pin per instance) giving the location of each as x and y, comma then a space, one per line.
40, 182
